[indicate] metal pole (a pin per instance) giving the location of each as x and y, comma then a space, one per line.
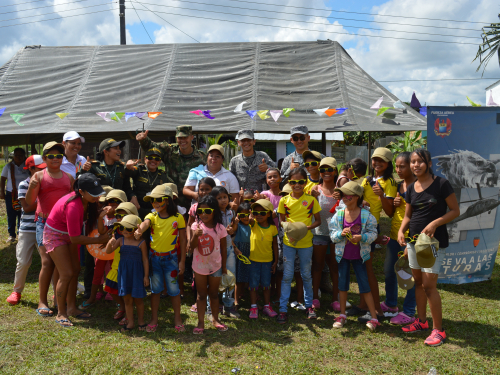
123, 35
323, 143
369, 152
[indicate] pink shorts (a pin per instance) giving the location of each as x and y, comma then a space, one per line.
53, 239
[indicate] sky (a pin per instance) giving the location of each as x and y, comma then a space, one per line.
391, 40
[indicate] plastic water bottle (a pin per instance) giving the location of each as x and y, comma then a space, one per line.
432, 371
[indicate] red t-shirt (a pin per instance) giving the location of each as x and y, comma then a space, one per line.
67, 218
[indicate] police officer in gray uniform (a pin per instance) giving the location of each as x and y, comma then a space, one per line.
250, 166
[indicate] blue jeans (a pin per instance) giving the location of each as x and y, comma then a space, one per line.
305, 257
164, 268
345, 275
12, 215
40, 226
260, 275
391, 281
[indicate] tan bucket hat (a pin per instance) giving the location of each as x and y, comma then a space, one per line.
107, 189
287, 189
158, 192
267, 205
128, 207
423, 248
382, 153
404, 274
172, 186
294, 231
116, 194
351, 188
329, 161
129, 221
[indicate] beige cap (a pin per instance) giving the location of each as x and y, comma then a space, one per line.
287, 189
116, 194
267, 205
382, 153
129, 221
228, 281
425, 257
309, 153
158, 192
50, 145
172, 186
128, 207
217, 148
294, 231
404, 274
351, 188
329, 161
107, 189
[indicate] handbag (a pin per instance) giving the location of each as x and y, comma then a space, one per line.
16, 205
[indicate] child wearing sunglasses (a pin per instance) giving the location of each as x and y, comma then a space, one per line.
208, 245
133, 270
298, 207
242, 243
168, 252
123, 209
353, 229
312, 160
263, 249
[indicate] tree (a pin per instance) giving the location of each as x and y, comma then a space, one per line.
409, 142
490, 45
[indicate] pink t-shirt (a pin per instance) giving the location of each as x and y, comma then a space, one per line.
192, 210
207, 256
275, 200
67, 218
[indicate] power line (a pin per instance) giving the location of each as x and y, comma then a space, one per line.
311, 22
45, 6
27, 2
319, 31
437, 80
168, 22
142, 23
67, 10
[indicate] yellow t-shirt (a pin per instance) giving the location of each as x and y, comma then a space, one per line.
165, 232
299, 210
390, 189
397, 219
261, 242
310, 184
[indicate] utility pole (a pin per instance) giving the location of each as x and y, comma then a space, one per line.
123, 35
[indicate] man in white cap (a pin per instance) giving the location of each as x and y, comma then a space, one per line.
250, 166
72, 161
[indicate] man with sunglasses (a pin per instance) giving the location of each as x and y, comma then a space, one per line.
300, 139
178, 158
250, 166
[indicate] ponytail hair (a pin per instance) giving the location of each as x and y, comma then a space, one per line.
92, 212
405, 155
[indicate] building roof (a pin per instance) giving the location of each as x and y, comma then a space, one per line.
492, 85
339, 136
178, 78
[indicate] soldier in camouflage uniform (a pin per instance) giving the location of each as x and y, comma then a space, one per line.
145, 179
109, 168
178, 158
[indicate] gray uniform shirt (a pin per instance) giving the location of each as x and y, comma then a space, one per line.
297, 158
249, 176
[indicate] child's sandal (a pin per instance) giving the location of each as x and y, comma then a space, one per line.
180, 328
125, 329
123, 322
198, 331
142, 327
150, 328
221, 327
118, 315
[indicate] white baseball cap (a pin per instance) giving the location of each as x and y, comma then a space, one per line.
72, 135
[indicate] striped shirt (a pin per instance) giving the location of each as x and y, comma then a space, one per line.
27, 224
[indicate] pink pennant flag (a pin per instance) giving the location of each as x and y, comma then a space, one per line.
275, 114
198, 112
376, 105
103, 115
491, 102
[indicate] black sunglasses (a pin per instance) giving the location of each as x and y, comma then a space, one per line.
156, 158
297, 138
158, 200
323, 170
114, 200
300, 182
119, 216
311, 164
54, 156
251, 200
243, 215
261, 213
207, 211
122, 228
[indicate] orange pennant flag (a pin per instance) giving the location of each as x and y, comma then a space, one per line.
154, 115
331, 112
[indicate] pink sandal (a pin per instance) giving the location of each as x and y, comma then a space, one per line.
402, 319
124, 321
180, 328
118, 315
198, 331
221, 327
151, 328
194, 308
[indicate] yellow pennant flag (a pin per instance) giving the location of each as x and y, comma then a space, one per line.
62, 115
263, 114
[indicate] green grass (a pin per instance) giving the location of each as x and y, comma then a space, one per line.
30, 344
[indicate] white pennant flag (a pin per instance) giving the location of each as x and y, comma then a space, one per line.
491, 102
320, 112
376, 105
276, 113
399, 105
239, 107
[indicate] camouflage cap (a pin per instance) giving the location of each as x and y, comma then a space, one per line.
184, 131
244, 134
301, 129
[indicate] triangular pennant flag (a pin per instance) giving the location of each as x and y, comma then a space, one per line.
320, 112
382, 110
376, 105
197, 112
239, 107
208, 115
2, 111
251, 114
399, 105
140, 115
472, 103
120, 114
129, 115
276, 113
423, 111
154, 115
340, 110
103, 115
491, 102
330, 112
61, 115
286, 111
414, 101
17, 117
263, 114
114, 116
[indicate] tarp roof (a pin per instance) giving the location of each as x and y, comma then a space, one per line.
178, 78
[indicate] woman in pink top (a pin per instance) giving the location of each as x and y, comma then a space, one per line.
63, 231
46, 188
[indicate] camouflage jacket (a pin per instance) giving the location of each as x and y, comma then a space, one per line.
250, 176
113, 176
177, 165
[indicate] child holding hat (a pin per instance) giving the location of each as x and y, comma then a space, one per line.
311, 163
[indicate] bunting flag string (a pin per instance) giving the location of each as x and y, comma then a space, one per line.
103, 115
62, 115
382, 110
286, 111
198, 112
263, 114
2, 110
472, 103
17, 117
398, 105
341, 110
491, 102
423, 111
276, 113
320, 112
113, 116
239, 107
208, 115
129, 115
414, 101
154, 115
377, 104
140, 115
330, 112
251, 113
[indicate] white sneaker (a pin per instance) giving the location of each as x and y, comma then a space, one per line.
294, 304
301, 307
347, 304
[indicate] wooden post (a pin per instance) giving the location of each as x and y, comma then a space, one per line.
323, 143
369, 152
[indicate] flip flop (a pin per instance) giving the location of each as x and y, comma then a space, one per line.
142, 327
81, 315
194, 308
118, 315
150, 328
180, 328
62, 321
198, 331
221, 327
123, 322
85, 305
125, 329
49, 314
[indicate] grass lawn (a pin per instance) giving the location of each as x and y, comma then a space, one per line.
30, 344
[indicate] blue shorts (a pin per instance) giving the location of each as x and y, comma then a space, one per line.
40, 226
217, 273
359, 270
260, 274
164, 268
323, 241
